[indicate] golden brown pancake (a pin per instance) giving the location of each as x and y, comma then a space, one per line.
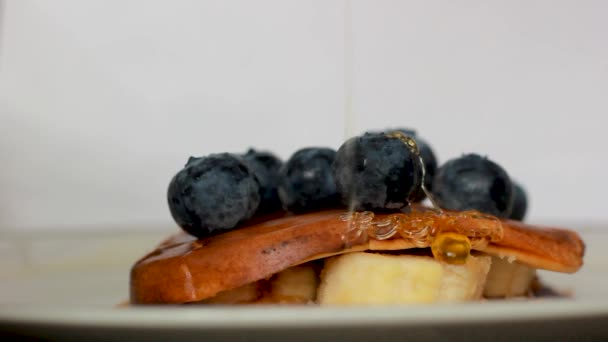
184, 269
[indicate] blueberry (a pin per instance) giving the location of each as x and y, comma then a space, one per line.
266, 166
428, 157
213, 194
307, 181
472, 182
375, 171
520, 202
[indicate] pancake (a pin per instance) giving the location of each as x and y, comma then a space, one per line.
184, 269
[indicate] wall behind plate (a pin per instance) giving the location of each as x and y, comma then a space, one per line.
102, 102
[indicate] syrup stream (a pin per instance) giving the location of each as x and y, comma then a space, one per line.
429, 228
348, 71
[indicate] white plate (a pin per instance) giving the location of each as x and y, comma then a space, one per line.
66, 286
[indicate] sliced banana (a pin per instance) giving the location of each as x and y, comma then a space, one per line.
377, 279
508, 278
297, 284
240, 295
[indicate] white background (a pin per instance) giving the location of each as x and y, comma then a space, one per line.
101, 102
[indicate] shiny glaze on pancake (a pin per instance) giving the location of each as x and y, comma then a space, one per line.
185, 269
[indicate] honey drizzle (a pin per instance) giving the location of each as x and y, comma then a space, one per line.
450, 235
422, 227
411, 144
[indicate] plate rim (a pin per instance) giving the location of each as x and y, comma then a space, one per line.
272, 317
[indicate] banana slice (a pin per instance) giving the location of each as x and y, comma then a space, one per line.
508, 278
297, 284
377, 279
239, 295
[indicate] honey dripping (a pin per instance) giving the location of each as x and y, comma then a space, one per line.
411, 144
451, 248
450, 235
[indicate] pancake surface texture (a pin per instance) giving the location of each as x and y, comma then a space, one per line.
184, 269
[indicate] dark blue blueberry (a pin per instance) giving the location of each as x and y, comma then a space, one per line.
307, 182
213, 194
472, 182
428, 157
375, 171
520, 202
266, 167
